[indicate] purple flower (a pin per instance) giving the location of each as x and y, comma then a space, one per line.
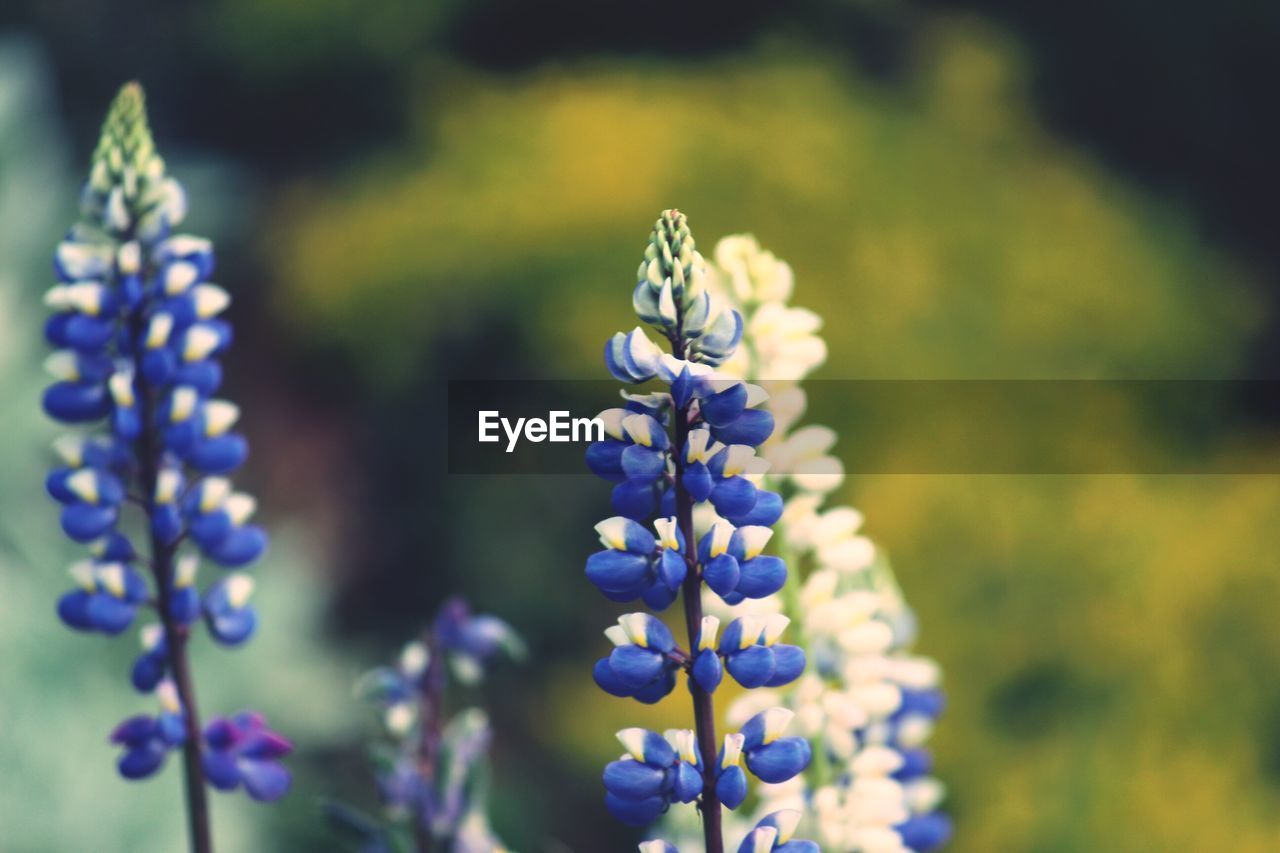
241, 750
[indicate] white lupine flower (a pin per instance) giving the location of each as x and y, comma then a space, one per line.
846, 607
748, 274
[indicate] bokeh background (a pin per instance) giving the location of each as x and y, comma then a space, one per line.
407, 192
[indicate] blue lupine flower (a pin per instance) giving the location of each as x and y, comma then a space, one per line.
107, 598
147, 740
136, 331
152, 666
241, 750
753, 655
474, 641
769, 755
227, 612
731, 781
428, 778
635, 564
918, 710
654, 772
643, 664
667, 451
734, 567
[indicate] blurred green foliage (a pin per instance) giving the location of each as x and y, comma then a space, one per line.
1106, 639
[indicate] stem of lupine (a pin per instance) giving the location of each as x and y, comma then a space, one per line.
175, 635
704, 713
430, 723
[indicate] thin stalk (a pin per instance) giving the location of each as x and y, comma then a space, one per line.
703, 706
430, 734
175, 638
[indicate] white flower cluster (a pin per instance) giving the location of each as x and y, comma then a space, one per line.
866, 704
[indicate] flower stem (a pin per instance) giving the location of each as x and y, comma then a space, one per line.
175, 635
430, 734
703, 705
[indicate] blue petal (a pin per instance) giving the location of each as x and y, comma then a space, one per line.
925, 832
731, 787
635, 812
688, 783
638, 539
916, 762
141, 761
55, 331
780, 760
765, 513
118, 548
135, 731
87, 333
797, 846
697, 481
762, 576
136, 590
210, 528
753, 732
929, 703
683, 386
126, 424
722, 574
244, 545
724, 407
171, 728
77, 402
604, 458
55, 483
634, 780
707, 670
148, 670
672, 568
265, 781
205, 376
635, 499
752, 667
658, 596
184, 605
752, 428
219, 455
608, 682
635, 666
233, 627
220, 769
181, 437
166, 523
617, 571
158, 366
658, 635
788, 664
643, 463
658, 690
73, 610
109, 614
731, 639
733, 496
657, 751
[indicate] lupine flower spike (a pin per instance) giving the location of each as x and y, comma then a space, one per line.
692, 444
137, 333
867, 704
431, 776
